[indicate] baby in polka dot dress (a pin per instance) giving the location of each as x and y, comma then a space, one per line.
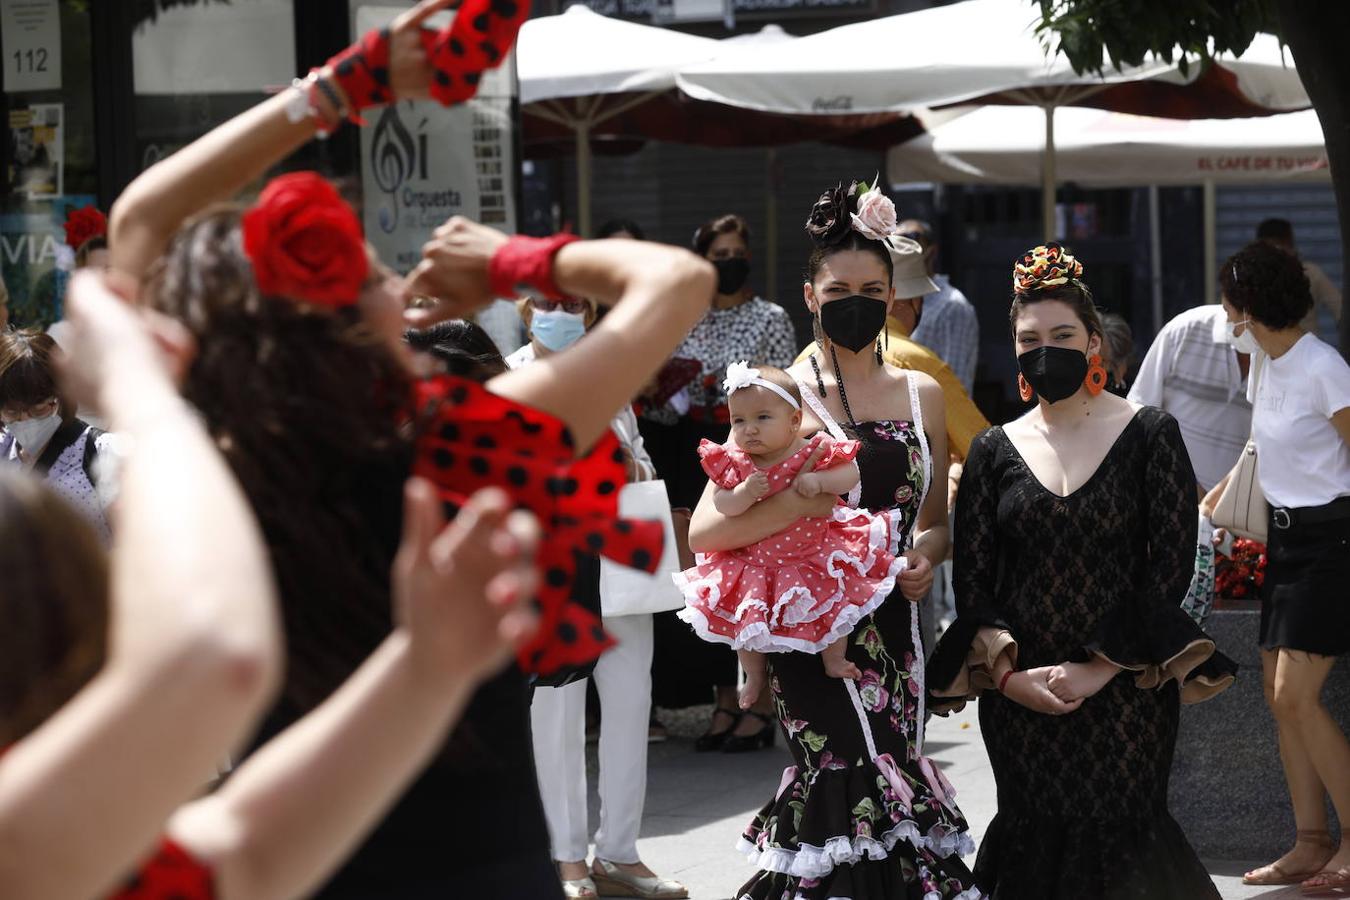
805, 588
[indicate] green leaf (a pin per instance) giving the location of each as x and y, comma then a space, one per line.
815, 741
866, 809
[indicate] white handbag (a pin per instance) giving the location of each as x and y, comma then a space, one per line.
1242, 507
626, 591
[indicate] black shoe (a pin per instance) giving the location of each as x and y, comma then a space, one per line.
761, 739
709, 741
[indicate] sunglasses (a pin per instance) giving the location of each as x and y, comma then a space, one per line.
576, 307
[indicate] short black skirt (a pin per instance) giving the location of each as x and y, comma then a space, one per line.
1305, 600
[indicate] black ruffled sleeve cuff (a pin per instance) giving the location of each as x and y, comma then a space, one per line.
1169, 645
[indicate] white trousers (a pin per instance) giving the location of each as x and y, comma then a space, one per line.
558, 716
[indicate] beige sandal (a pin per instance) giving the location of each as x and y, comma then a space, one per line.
611, 881
1274, 874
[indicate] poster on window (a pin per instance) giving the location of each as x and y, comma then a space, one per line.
422, 163
37, 151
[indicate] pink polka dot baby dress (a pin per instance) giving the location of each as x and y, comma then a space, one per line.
800, 589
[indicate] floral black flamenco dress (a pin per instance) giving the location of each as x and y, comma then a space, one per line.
861, 814
1082, 798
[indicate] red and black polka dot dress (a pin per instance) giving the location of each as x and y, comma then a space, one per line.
470, 438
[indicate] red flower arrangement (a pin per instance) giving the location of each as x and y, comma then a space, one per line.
84, 224
1241, 575
305, 242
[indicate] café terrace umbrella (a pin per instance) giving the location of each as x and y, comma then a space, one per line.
1097, 148
580, 69
586, 77
984, 52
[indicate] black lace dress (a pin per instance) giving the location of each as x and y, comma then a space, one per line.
1082, 798
860, 815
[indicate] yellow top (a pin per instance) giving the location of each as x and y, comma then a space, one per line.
964, 420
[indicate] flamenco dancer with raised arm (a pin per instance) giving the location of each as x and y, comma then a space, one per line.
860, 814
306, 385
1075, 529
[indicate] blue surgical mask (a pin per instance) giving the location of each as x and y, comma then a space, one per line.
556, 329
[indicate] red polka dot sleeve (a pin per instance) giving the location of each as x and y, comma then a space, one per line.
469, 438
725, 465
171, 874
837, 453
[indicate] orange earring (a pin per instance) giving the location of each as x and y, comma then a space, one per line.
1096, 376
1024, 389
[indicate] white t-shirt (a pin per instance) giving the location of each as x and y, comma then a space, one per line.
1301, 459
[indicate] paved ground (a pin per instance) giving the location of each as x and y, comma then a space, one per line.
697, 804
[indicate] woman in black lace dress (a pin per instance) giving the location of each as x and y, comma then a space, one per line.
860, 814
1075, 530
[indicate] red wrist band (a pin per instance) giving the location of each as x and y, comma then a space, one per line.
362, 71
1004, 680
526, 263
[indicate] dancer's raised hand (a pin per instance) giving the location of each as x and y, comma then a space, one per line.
454, 270
462, 589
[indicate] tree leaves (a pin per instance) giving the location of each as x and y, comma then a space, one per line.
1096, 34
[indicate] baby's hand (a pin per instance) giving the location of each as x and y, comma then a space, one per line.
808, 484
757, 485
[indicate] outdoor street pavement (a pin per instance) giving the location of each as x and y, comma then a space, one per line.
697, 804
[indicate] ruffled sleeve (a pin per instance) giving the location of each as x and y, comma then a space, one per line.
963, 661
719, 463
171, 874
469, 438
837, 453
1152, 636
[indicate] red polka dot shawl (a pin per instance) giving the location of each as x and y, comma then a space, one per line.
469, 438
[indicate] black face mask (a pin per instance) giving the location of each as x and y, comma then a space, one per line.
853, 322
1055, 373
731, 274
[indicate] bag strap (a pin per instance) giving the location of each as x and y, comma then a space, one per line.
823, 414
1254, 378
91, 451
916, 413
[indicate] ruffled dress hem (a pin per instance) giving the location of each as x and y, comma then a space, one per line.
702, 590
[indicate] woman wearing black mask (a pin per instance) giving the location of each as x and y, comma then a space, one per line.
860, 814
1075, 529
739, 326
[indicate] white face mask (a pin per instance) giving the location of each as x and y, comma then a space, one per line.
33, 434
1245, 342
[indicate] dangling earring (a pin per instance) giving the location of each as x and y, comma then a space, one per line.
1024, 389
880, 361
1096, 376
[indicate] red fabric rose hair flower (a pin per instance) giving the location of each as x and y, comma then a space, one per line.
305, 242
84, 224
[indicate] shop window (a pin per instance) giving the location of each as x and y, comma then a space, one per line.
49, 153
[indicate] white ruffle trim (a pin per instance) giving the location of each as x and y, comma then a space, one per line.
809, 861
883, 536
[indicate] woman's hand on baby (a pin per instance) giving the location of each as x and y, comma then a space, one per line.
807, 484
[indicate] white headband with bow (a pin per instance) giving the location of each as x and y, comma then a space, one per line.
741, 375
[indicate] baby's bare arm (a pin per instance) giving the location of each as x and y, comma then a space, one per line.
733, 502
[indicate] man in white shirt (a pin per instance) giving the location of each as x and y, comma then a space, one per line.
1192, 372
947, 323
1280, 233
